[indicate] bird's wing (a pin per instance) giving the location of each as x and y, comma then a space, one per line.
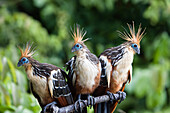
93, 58
71, 78
58, 87
109, 59
114, 54
70, 65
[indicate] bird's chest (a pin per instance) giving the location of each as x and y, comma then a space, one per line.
85, 72
120, 72
39, 87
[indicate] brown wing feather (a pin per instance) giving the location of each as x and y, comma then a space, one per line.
70, 65
62, 101
114, 53
61, 90
57, 85
92, 58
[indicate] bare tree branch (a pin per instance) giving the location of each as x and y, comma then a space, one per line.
98, 99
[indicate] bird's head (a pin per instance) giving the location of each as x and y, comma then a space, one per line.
78, 35
136, 48
25, 56
76, 47
23, 61
133, 38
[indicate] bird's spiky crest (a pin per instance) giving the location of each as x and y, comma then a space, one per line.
27, 52
78, 35
132, 36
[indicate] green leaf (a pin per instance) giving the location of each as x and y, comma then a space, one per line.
155, 99
154, 11
16, 94
5, 93
39, 3
22, 81
1, 66
161, 47
29, 98
5, 108
141, 87
12, 69
5, 69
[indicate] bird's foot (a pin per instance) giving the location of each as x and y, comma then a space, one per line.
122, 96
90, 101
49, 108
111, 96
78, 105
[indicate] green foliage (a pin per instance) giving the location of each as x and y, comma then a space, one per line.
47, 24
150, 82
157, 11
13, 86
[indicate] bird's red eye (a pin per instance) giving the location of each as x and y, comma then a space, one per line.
135, 45
23, 59
77, 45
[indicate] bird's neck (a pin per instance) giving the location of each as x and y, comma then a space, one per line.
27, 67
131, 50
30, 68
81, 53
29, 71
128, 45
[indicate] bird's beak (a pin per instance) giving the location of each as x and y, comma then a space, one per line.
138, 51
73, 49
19, 64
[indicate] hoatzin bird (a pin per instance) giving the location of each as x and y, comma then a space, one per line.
47, 81
117, 67
84, 69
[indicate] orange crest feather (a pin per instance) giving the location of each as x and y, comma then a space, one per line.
132, 37
78, 35
27, 52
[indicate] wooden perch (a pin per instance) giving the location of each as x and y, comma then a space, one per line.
70, 108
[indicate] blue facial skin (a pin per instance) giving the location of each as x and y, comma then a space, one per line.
23, 61
136, 48
76, 47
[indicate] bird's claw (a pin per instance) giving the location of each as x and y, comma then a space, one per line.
79, 104
111, 96
122, 96
90, 101
50, 107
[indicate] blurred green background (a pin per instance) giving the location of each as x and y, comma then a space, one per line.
47, 23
